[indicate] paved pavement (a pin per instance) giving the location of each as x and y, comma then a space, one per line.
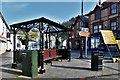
77, 68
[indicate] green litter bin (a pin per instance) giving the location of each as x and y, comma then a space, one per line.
30, 63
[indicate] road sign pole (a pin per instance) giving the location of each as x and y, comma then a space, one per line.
86, 47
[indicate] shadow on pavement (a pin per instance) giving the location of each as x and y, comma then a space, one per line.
19, 66
7, 69
71, 67
101, 77
10, 71
7, 65
112, 68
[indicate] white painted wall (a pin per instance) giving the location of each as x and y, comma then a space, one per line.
3, 40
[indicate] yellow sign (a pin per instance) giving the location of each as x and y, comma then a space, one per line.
22, 33
33, 35
85, 34
118, 43
108, 37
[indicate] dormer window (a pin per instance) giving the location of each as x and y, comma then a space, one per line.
114, 8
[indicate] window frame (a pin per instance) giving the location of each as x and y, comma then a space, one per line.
113, 20
97, 13
96, 30
113, 8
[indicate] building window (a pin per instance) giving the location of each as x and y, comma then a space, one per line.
95, 42
95, 29
77, 33
113, 25
8, 35
114, 8
97, 15
77, 25
81, 25
100, 27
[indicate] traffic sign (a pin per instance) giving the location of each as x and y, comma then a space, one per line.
85, 34
85, 29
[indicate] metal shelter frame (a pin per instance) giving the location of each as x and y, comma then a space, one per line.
45, 26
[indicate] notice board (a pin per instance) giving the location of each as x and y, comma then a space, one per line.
108, 37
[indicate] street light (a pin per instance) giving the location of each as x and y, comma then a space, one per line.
81, 55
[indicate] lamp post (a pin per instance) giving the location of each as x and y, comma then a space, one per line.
81, 55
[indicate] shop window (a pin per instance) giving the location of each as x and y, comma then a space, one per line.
95, 42
92, 43
95, 29
113, 25
100, 27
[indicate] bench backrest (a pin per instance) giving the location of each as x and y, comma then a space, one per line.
53, 53
46, 54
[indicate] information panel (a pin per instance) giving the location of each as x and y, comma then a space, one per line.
108, 37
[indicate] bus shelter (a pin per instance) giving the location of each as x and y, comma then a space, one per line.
42, 29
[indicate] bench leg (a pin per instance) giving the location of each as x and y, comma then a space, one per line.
51, 62
46, 62
61, 59
56, 59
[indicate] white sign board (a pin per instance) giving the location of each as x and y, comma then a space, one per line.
85, 29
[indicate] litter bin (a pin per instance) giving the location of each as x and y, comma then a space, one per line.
30, 63
18, 56
96, 60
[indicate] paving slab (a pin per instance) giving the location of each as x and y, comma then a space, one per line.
75, 69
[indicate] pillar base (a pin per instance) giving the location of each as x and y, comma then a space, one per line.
14, 65
41, 71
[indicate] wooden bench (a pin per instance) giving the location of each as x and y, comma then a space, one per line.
50, 55
46, 57
53, 54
